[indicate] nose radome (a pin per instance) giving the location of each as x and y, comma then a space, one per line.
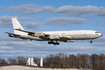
101, 34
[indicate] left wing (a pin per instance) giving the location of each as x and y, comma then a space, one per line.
12, 35
29, 32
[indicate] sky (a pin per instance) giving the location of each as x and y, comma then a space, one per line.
51, 15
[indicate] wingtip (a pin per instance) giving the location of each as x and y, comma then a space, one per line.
6, 32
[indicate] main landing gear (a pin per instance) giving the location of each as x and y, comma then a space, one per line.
55, 43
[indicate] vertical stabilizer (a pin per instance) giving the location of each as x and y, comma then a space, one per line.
17, 25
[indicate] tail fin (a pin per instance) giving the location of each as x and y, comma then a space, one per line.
16, 25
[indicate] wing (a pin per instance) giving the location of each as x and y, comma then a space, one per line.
45, 36
29, 32
12, 35
40, 34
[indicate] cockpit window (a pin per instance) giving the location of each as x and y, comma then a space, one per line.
96, 32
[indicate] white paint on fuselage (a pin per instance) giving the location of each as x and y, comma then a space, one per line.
76, 34
73, 35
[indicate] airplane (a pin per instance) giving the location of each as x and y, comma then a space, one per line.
51, 36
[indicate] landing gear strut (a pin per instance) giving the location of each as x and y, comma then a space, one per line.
55, 43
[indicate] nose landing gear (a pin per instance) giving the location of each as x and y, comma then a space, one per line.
91, 41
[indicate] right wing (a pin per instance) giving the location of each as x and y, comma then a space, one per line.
45, 36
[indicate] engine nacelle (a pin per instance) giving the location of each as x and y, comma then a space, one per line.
10, 35
69, 41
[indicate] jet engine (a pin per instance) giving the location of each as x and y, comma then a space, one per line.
10, 35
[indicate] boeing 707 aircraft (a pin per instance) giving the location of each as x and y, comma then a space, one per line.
52, 36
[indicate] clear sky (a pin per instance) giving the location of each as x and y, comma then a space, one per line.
51, 15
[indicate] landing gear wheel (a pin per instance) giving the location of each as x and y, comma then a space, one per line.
49, 42
55, 43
